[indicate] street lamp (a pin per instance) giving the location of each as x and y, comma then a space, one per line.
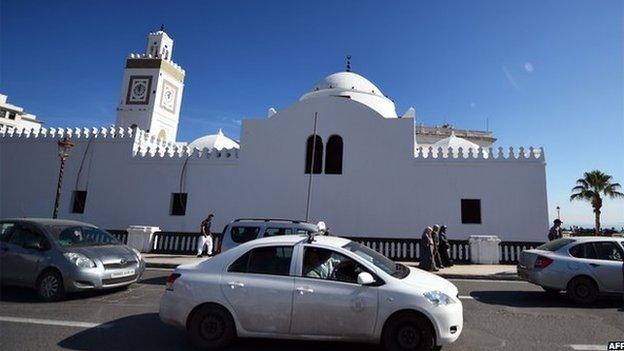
64, 146
558, 213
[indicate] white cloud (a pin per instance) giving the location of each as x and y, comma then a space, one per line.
528, 67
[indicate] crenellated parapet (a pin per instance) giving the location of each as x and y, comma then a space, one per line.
482, 154
183, 151
137, 60
74, 133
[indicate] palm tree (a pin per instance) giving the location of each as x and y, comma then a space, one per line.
591, 187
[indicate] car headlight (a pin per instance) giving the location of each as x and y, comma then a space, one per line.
438, 298
137, 252
79, 260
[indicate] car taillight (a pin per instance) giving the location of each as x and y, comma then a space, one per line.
542, 262
171, 279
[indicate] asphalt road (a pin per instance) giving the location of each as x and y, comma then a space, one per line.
497, 315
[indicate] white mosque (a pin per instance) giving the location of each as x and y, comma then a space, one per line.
340, 154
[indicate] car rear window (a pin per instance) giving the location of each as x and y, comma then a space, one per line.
277, 231
554, 245
244, 234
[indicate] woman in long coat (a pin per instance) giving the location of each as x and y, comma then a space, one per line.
426, 251
443, 248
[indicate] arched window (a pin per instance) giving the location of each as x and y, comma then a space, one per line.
314, 143
333, 156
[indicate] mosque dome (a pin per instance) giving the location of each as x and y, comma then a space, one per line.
214, 141
355, 87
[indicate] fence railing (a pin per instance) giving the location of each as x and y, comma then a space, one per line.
185, 243
409, 249
509, 251
121, 235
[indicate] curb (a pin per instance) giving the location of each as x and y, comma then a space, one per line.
161, 265
480, 277
443, 275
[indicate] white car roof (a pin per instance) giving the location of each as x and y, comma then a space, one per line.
334, 241
584, 239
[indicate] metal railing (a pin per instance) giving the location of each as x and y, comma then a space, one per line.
121, 235
509, 251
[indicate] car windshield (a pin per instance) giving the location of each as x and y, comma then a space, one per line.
380, 261
554, 245
73, 236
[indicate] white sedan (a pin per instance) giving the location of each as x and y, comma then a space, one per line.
582, 266
312, 288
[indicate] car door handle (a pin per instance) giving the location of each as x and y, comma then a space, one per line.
235, 285
594, 264
301, 290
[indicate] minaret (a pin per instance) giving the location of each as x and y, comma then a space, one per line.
151, 91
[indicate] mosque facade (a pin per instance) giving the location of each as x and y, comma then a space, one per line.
340, 154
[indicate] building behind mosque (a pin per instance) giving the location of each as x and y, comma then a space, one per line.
340, 154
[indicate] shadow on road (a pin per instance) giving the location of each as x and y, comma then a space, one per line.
540, 299
25, 295
154, 281
147, 332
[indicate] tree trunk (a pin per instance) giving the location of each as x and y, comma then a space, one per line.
597, 220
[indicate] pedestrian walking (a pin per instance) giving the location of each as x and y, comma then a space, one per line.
443, 248
555, 230
427, 261
436, 244
205, 239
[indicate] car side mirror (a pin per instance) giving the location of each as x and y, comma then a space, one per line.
365, 278
35, 245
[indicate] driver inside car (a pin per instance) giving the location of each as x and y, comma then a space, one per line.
318, 264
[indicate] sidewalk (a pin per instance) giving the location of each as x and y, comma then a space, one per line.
466, 271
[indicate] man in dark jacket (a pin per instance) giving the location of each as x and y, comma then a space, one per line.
555, 230
205, 240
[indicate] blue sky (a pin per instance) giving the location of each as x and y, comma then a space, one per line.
543, 73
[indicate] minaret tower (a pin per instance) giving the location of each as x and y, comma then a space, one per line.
151, 91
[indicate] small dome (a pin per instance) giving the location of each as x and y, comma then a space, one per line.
355, 87
214, 141
455, 143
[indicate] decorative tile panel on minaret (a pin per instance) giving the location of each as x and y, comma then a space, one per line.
151, 91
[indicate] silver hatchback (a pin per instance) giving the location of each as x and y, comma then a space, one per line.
59, 256
582, 266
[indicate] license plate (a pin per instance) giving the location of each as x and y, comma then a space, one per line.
121, 274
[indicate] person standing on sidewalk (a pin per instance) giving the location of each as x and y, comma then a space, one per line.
206, 238
427, 261
436, 244
443, 248
555, 230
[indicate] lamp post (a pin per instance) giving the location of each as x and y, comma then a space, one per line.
64, 146
558, 213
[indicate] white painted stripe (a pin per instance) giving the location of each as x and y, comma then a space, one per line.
54, 322
464, 297
588, 347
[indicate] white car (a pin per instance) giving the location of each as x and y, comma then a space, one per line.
582, 266
312, 288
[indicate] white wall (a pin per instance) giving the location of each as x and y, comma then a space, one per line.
383, 192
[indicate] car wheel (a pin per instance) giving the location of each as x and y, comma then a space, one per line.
582, 290
408, 332
212, 327
551, 291
50, 286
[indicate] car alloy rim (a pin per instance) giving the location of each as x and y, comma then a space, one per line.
211, 327
49, 286
409, 337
